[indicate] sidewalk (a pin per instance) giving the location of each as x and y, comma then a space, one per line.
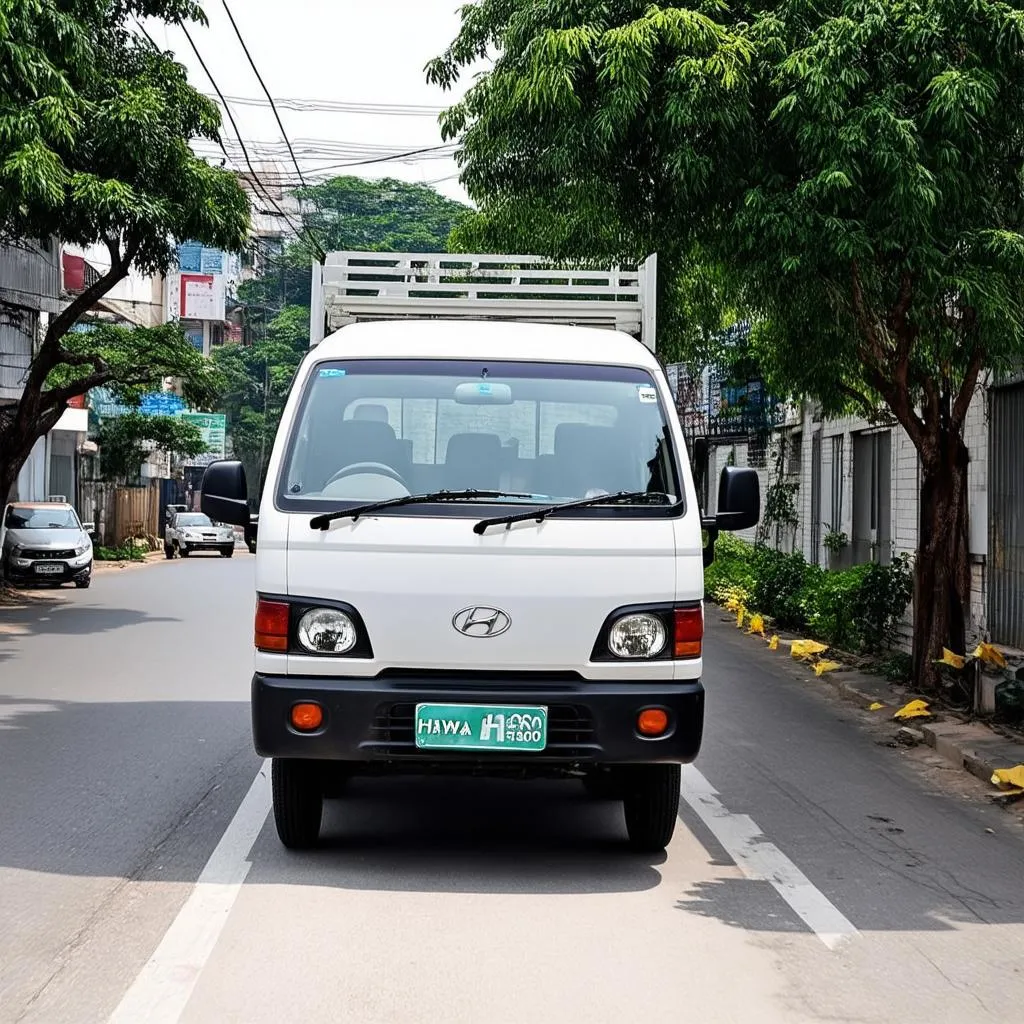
972, 746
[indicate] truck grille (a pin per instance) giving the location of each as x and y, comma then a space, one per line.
48, 555
570, 730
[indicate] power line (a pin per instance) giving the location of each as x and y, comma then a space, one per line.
234, 124
263, 86
340, 107
377, 160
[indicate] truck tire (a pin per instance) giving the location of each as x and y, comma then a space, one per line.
227, 552
651, 805
298, 802
184, 550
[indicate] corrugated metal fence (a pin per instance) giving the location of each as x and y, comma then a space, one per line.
1006, 516
121, 512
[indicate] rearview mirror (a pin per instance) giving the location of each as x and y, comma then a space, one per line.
483, 392
225, 493
739, 499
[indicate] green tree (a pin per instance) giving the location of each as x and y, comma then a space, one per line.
349, 213
344, 213
850, 170
257, 379
126, 440
95, 123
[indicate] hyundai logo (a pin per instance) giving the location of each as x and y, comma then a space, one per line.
481, 621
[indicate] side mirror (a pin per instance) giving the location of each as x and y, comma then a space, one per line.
225, 494
739, 499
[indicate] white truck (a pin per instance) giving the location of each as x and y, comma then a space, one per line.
480, 545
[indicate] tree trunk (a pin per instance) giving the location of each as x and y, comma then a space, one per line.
18, 436
943, 576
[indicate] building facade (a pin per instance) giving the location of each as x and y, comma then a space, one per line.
30, 293
848, 476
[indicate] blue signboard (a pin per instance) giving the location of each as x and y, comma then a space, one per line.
190, 257
212, 261
162, 403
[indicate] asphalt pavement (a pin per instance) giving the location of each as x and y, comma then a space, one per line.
817, 874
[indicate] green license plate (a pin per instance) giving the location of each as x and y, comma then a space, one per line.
480, 727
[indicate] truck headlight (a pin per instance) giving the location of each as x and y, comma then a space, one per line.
81, 550
327, 631
637, 636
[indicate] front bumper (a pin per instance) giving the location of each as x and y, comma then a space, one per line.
207, 545
371, 720
68, 573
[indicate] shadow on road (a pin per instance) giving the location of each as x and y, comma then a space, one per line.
72, 619
144, 790
464, 836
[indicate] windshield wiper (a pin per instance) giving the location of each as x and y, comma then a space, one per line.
539, 514
322, 522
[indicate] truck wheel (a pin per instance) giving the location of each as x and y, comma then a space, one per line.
298, 802
227, 552
651, 803
184, 551
603, 784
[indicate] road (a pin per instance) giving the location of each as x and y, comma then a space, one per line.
817, 874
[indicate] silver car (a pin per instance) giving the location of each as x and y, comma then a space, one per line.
193, 531
45, 543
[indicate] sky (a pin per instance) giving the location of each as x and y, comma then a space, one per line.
342, 52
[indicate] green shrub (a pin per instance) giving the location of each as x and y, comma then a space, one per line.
732, 569
882, 600
778, 584
857, 609
127, 552
830, 607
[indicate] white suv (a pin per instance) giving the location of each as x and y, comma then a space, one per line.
194, 531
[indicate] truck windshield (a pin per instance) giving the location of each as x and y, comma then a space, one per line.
370, 431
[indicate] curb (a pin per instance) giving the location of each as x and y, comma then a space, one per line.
970, 746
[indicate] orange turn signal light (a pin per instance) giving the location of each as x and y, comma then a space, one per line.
652, 722
307, 717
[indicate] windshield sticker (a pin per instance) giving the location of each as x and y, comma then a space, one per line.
647, 394
329, 372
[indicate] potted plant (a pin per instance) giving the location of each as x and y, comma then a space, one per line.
836, 542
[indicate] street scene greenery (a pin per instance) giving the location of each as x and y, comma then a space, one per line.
857, 610
126, 441
846, 175
344, 213
95, 126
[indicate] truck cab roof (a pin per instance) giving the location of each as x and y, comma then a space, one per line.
485, 339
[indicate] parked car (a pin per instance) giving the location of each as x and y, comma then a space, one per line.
45, 543
194, 531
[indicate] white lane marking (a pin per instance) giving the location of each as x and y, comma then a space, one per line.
163, 987
763, 861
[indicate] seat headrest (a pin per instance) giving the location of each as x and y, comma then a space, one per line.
477, 447
378, 413
358, 436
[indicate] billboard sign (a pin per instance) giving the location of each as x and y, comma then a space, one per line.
213, 427
201, 297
